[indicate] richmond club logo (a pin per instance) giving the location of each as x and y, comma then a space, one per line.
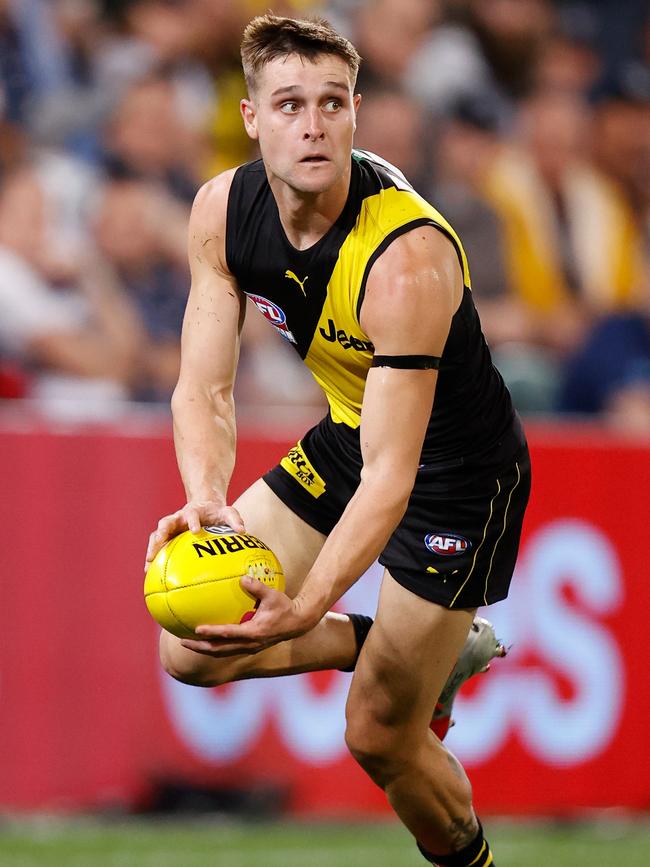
274, 314
446, 544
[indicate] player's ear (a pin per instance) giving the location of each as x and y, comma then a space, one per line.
356, 102
248, 113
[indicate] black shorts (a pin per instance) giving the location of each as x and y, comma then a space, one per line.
458, 540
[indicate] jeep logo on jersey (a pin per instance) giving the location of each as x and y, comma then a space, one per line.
446, 544
332, 335
273, 313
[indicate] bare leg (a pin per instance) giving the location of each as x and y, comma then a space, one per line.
401, 671
331, 644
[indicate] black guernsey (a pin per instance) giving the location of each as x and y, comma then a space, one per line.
313, 298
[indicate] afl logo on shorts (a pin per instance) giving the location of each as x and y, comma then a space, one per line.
274, 314
446, 544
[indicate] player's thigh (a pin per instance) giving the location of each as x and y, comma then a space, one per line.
294, 542
404, 663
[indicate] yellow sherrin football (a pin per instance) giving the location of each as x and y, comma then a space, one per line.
194, 579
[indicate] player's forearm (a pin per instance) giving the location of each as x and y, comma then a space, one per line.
205, 441
354, 544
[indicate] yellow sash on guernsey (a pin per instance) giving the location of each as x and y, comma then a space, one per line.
340, 353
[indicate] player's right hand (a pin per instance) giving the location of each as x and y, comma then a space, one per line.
192, 516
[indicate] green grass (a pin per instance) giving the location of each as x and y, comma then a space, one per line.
192, 843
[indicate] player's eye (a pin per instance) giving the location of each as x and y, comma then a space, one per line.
332, 105
289, 107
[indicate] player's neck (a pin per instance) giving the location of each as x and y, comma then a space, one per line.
307, 217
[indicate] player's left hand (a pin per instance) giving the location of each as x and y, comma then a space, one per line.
277, 619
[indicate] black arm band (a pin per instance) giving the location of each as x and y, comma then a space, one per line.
407, 362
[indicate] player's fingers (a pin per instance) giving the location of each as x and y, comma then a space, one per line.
193, 519
156, 541
256, 588
232, 518
208, 648
151, 551
243, 632
168, 522
168, 526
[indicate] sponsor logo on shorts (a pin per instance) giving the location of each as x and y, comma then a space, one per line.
446, 544
276, 315
297, 465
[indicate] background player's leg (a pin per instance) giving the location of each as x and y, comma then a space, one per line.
331, 644
400, 673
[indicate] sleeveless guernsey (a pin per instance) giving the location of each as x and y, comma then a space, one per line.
313, 297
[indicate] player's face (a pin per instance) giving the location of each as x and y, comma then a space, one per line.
303, 116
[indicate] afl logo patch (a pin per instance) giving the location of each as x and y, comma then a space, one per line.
273, 313
446, 544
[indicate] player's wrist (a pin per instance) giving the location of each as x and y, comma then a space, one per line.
206, 501
308, 611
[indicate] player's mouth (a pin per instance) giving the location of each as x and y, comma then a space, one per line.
315, 160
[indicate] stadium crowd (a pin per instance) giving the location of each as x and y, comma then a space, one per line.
526, 122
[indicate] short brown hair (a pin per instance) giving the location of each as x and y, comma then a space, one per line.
270, 36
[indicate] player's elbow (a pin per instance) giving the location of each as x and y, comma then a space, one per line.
390, 486
217, 400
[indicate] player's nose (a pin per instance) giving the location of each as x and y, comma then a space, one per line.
314, 129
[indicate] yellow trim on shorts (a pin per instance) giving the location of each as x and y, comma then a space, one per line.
480, 854
505, 519
480, 545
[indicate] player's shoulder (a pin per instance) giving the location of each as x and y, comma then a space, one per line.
418, 249
211, 200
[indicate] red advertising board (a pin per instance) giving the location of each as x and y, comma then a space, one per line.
88, 719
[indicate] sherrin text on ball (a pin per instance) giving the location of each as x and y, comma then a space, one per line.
194, 579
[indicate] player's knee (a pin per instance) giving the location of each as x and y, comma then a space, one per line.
187, 667
376, 745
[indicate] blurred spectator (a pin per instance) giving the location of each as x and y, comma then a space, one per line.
64, 318
446, 66
13, 142
387, 33
141, 231
146, 138
551, 241
622, 142
402, 141
610, 374
621, 32
571, 239
468, 143
33, 61
100, 61
511, 35
566, 64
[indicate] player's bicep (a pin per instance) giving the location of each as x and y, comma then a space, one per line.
211, 329
412, 293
